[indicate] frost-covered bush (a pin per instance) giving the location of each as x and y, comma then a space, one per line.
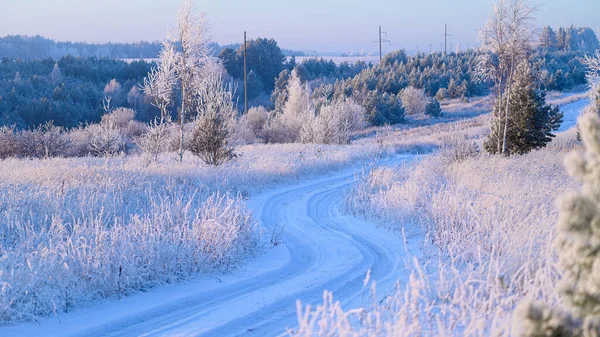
45, 141
9, 145
106, 139
458, 147
336, 121
155, 140
250, 127
578, 247
79, 142
111, 135
414, 100
210, 140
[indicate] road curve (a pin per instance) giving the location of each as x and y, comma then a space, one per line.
320, 249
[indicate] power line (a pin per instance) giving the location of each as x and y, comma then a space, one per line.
381, 40
245, 78
445, 36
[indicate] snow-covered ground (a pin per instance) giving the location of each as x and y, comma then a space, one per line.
318, 249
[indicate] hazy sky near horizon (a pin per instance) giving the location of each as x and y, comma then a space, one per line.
321, 25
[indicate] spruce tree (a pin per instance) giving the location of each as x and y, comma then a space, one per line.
531, 120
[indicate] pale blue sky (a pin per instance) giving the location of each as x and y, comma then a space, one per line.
322, 25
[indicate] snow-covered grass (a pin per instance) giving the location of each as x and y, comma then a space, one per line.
488, 228
78, 229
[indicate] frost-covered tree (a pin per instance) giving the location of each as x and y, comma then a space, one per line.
531, 120
337, 120
578, 247
298, 111
215, 118
414, 100
160, 82
508, 36
112, 88
593, 77
56, 75
280, 93
547, 39
188, 46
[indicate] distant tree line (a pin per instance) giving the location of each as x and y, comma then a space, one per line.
69, 91
38, 47
571, 39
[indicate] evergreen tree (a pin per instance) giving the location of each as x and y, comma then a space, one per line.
530, 122
280, 93
561, 38
433, 108
255, 86
548, 39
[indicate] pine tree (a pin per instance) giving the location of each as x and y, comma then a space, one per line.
548, 39
561, 39
56, 75
531, 121
280, 94
433, 108
578, 246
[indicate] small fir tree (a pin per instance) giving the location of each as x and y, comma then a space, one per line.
210, 140
531, 120
433, 108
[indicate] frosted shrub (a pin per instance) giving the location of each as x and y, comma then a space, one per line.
105, 140
414, 100
119, 118
336, 121
210, 140
9, 146
45, 141
156, 139
457, 147
250, 127
578, 247
111, 135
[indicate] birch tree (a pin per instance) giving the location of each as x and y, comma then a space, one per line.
508, 36
159, 85
188, 50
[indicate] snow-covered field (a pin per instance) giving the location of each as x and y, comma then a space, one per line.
489, 223
65, 211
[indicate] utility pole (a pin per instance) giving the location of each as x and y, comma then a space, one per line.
430, 50
381, 40
446, 35
245, 78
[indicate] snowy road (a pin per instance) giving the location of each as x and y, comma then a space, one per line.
320, 249
571, 112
